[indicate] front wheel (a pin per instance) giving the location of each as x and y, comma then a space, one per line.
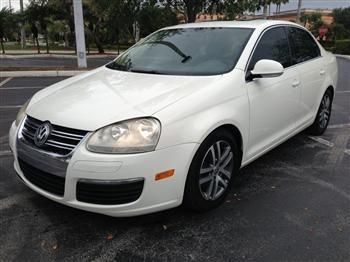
212, 172
323, 115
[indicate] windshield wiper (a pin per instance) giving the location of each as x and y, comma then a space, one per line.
145, 71
173, 47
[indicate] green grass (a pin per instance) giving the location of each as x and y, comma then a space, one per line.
14, 46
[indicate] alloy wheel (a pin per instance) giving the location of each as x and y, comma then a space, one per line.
216, 170
325, 111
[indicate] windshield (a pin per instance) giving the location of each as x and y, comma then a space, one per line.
185, 51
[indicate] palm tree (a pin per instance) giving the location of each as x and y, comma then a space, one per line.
278, 4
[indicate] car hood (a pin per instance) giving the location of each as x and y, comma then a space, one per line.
103, 96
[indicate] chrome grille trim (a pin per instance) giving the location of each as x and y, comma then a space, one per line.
62, 141
66, 134
67, 137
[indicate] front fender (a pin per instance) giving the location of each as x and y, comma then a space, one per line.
193, 118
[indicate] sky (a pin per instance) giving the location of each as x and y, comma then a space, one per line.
290, 6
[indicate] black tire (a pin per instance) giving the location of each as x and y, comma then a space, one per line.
320, 124
194, 197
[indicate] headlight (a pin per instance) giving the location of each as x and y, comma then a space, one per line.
22, 113
131, 136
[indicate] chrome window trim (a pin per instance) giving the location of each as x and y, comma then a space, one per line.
285, 26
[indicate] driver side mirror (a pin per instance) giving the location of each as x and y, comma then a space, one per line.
265, 68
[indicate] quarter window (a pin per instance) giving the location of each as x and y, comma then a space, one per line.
303, 45
273, 45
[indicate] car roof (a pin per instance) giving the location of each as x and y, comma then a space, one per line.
257, 23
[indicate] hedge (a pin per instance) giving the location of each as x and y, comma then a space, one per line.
342, 47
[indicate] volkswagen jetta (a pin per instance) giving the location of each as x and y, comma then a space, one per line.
173, 119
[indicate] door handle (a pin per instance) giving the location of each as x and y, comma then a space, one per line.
295, 83
322, 72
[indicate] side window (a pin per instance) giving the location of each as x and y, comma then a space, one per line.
303, 45
272, 45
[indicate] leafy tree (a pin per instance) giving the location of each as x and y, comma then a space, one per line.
231, 9
6, 25
342, 16
190, 8
63, 10
267, 3
94, 21
152, 18
278, 4
38, 13
338, 31
314, 20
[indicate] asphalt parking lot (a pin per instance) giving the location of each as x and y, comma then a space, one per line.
293, 204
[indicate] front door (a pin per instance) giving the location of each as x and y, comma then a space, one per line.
273, 101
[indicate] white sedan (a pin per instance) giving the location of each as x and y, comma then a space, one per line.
173, 119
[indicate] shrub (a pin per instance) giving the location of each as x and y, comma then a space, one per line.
342, 47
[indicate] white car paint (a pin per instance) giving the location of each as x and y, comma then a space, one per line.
189, 108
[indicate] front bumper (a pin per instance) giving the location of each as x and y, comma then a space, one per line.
87, 166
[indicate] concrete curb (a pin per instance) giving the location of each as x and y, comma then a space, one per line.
343, 56
40, 73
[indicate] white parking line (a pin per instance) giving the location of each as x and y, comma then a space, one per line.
21, 87
10, 107
340, 92
327, 143
5, 153
5, 81
322, 141
339, 126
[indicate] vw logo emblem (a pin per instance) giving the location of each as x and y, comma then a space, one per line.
42, 134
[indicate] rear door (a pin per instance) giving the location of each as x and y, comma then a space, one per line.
307, 59
273, 101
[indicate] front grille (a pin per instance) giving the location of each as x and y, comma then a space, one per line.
62, 140
109, 193
46, 181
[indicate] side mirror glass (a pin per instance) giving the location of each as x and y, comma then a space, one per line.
266, 68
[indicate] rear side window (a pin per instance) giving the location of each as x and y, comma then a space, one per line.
303, 45
272, 45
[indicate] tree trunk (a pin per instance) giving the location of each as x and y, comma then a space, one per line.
98, 44
118, 47
37, 45
23, 32
47, 43
95, 35
190, 12
265, 10
2, 45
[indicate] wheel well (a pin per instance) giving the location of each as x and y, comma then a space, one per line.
236, 133
331, 88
